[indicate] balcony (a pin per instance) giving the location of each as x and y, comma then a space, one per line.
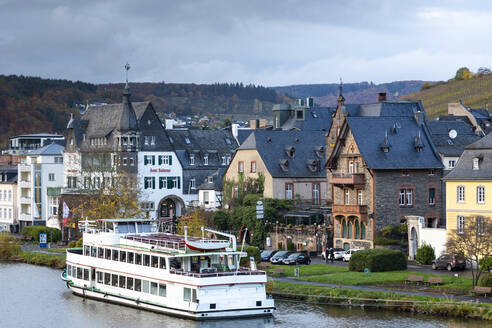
348, 178
349, 209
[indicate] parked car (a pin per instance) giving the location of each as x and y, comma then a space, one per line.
297, 258
279, 257
337, 253
348, 254
267, 254
449, 262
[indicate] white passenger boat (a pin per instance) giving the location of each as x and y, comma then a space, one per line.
126, 261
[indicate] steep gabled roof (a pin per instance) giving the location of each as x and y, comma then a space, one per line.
463, 170
52, 149
272, 146
369, 133
446, 145
315, 119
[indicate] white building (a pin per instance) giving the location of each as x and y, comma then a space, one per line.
25, 143
40, 178
8, 199
210, 191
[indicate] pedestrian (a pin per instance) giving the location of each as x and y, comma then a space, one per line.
327, 253
332, 255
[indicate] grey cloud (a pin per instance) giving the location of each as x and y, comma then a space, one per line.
264, 42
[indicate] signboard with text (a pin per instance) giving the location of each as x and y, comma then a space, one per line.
43, 237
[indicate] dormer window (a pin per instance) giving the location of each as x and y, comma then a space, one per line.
476, 162
320, 151
192, 183
290, 151
152, 140
228, 159
205, 159
187, 140
284, 165
385, 145
228, 141
419, 146
192, 159
312, 165
146, 140
210, 179
224, 160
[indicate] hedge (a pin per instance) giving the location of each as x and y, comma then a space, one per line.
252, 251
425, 254
378, 260
34, 231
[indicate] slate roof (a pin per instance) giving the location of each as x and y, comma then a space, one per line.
102, 120
52, 149
11, 172
369, 133
216, 183
315, 119
445, 145
242, 134
463, 169
201, 142
272, 144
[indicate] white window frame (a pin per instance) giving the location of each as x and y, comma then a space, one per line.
451, 163
359, 197
51, 176
481, 195
476, 165
192, 159
460, 224
460, 194
205, 159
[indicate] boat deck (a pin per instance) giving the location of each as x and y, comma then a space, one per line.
166, 240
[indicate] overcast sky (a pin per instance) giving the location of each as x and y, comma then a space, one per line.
263, 42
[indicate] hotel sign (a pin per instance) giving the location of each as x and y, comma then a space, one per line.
160, 170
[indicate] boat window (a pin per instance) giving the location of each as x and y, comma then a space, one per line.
79, 273
115, 255
193, 295
107, 255
138, 285
146, 260
162, 263
93, 251
86, 274
109, 226
175, 263
100, 278
153, 288
162, 290
122, 282
107, 278
100, 252
122, 256
155, 261
129, 283
186, 294
139, 227
69, 270
87, 250
131, 228
138, 258
123, 227
114, 280
145, 286
130, 257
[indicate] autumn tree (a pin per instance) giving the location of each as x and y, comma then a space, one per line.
473, 240
199, 218
463, 73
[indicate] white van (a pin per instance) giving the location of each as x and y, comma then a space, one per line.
348, 254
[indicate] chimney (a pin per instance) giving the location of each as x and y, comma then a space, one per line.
381, 96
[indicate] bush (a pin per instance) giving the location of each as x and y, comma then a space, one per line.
9, 246
252, 252
79, 243
378, 260
486, 280
72, 244
383, 241
485, 263
425, 254
290, 246
54, 235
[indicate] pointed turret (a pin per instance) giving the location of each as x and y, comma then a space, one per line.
128, 119
340, 99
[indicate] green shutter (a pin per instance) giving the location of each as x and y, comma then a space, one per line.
169, 183
179, 182
153, 160
153, 182
160, 182
170, 160
160, 159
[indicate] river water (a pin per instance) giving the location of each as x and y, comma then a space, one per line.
33, 296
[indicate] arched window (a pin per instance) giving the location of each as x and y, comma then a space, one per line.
344, 228
349, 230
357, 229
362, 231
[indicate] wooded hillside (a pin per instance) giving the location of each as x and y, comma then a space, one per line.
31, 104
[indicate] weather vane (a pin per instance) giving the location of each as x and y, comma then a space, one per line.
127, 68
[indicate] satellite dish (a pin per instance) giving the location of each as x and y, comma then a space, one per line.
453, 134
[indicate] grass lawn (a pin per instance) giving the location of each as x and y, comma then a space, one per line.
346, 277
309, 270
56, 250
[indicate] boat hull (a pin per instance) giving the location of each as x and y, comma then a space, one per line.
194, 315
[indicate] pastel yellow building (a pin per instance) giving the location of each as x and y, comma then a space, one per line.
290, 161
469, 187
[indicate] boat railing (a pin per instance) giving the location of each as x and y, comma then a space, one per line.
240, 272
178, 245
